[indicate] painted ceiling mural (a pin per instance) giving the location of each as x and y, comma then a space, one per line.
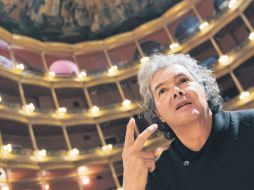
77, 20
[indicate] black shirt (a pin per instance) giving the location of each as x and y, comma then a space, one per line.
225, 162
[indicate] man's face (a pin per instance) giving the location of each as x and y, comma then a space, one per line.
179, 98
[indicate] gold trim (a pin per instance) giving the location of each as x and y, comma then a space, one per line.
108, 43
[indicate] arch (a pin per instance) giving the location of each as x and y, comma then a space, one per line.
186, 28
220, 5
149, 48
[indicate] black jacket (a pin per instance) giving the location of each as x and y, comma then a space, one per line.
225, 162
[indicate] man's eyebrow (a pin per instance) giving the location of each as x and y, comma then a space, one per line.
178, 75
158, 86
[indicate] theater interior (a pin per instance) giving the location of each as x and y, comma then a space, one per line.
68, 80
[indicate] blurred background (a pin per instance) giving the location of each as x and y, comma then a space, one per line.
68, 80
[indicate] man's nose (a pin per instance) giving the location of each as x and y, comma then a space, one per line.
178, 92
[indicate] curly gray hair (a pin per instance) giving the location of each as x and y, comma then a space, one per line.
200, 73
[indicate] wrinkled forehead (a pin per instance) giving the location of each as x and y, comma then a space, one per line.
170, 73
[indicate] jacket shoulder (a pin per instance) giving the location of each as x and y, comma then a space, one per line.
242, 117
243, 123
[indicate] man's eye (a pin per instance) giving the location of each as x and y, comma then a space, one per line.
183, 80
162, 91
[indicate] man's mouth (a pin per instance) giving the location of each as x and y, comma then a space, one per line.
179, 106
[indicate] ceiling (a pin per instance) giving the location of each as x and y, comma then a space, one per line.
72, 21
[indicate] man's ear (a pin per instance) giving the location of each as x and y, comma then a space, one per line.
206, 97
162, 120
204, 87
159, 116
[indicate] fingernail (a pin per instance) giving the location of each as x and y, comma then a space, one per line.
153, 127
132, 121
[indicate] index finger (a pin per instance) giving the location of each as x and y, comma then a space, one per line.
141, 139
129, 135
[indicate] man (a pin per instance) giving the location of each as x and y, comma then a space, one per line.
211, 150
